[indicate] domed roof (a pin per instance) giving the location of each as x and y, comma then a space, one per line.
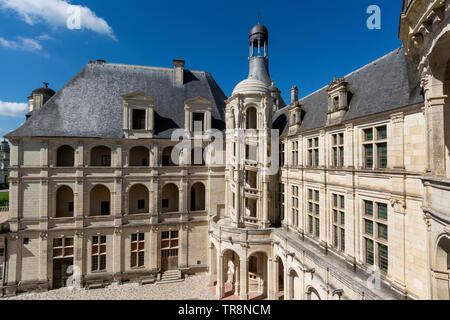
250, 85
259, 28
45, 90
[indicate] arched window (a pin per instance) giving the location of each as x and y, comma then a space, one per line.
100, 156
64, 202
167, 160
65, 156
198, 197
99, 201
139, 157
138, 199
169, 198
312, 294
251, 118
442, 269
280, 289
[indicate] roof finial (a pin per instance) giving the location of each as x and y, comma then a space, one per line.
259, 17
46, 84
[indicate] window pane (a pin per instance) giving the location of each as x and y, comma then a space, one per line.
310, 194
368, 156
383, 255
382, 231
382, 133
317, 227
369, 227
335, 236
368, 135
317, 195
368, 208
335, 216
382, 155
342, 218
311, 227
335, 200
342, 239
342, 202
94, 263
369, 251
102, 262
382, 211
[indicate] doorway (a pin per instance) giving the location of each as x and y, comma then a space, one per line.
60, 274
169, 250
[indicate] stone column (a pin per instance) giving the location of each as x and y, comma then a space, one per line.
79, 255
323, 239
13, 263
118, 255
349, 153
434, 104
184, 239
78, 203
153, 200
244, 278
154, 252
220, 277
396, 236
212, 265
43, 257
272, 279
116, 197
351, 232
184, 199
396, 135
237, 276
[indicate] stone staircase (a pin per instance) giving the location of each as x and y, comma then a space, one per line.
170, 276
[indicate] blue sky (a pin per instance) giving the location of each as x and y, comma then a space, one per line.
310, 41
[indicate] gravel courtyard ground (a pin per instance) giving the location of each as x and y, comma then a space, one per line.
192, 288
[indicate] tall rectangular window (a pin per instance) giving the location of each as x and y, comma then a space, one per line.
337, 153
137, 250
138, 119
295, 206
338, 221
98, 253
314, 212
294, 153
198, 121
375, 147
313, 152
281, 154
376, 234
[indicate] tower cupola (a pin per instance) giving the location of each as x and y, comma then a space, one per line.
259, 54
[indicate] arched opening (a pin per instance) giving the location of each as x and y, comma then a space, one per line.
169, 198
197, 156
197, 197
294, 286
64, 202
100, 157
442, 269
312, 294
280, 279
257, 275
99, 201
139, 157
65, 156
251, 118
167, 160
231, 269
138, 199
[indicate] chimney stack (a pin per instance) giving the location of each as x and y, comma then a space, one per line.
178, 73
294, 94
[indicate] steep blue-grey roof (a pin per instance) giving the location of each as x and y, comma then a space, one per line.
385, 84
91, 104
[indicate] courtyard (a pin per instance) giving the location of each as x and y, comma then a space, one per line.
192, 288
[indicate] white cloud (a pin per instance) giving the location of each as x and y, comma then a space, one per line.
13, 109
57, 13
21, 44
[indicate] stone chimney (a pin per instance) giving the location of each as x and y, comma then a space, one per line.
178, 72
294, 94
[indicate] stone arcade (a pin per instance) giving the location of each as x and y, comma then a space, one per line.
361, 196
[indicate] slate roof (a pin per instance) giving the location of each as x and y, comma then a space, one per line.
91, 105
385, 84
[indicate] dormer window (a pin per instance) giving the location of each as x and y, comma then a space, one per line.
337, 100
295, 117
197, 113
138, 117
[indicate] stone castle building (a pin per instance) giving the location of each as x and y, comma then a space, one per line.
342, 194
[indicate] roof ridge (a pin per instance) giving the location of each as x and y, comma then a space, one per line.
125, 65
